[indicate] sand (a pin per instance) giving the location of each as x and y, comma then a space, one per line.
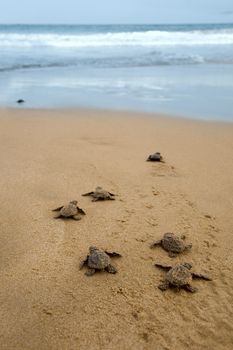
51, 157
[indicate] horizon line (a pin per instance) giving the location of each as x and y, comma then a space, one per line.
110, 24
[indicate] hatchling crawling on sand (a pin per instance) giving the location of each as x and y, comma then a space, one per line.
180, 277
71, 210
172, 244
20, 101
156, 157
100, 195
99, 260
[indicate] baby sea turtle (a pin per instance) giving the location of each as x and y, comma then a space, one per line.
71, 210
156, 157
20, 101
172, 244
100, 195
99, 260
180, 277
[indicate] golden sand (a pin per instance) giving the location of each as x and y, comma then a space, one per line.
51, 157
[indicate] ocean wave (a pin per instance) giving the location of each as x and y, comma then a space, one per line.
149, 60
147, 38
14, 67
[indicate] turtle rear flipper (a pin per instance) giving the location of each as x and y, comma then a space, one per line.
81, 211
84, 262
111, 269
113, 254
76, 217
201, 276
165, 267
188, 247
164, 286
88, 194
172, 254
90, 272
190, 288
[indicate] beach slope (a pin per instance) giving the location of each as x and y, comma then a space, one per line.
51, 157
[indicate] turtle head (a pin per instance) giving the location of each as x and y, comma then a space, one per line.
168, 234
92, 249
74, 202
98, 188
187, 265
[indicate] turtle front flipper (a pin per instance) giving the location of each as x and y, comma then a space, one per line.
164, 286
58, 209
201, 276
111, 269
57, 216
111, 198
111, 194
113, 254
165, 267
154, 244
190, 288
90, 272
88, 194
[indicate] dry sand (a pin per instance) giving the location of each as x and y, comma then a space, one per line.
50, 157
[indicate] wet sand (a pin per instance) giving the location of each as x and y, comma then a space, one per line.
51, 157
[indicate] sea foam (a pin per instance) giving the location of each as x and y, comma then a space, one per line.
143, 39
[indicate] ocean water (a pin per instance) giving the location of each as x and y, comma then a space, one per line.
177, 69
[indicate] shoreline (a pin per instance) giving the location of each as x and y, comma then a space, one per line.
71, 87
114, 112
49, 157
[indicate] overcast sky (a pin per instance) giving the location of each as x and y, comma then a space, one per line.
115, 11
